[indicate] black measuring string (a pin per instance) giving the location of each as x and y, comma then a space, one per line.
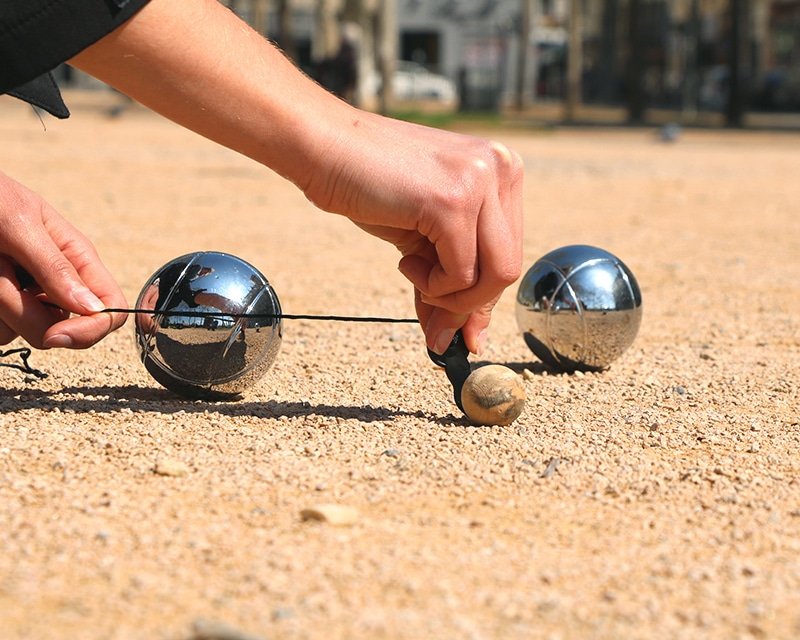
282, 316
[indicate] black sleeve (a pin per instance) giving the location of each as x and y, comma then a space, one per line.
42, 92
38, 35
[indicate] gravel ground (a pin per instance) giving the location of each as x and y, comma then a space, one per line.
344, 496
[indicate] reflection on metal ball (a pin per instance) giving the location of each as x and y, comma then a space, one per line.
579, 308
194, 344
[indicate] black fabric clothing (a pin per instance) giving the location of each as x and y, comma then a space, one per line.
38, 35
42, 92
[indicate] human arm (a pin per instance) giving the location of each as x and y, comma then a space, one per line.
450, 203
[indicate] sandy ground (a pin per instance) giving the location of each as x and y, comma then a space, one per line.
659, 498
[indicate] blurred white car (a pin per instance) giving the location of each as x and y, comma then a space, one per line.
412, 81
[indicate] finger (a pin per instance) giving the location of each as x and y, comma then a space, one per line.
48, 326
455, 237
26, 283
500, 237
416, 269
417, 262
510, 189
91, 270
423, 311
476, 329
456, 268
499, 267
21, 312
80, 332
439, 325
497, 239
7, 334
98, 281
44, 260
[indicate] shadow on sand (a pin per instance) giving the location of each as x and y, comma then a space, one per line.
115, 398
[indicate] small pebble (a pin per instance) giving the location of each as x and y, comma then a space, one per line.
552, 466
528, 375
213, 630
282, 613
335, 514
171, 467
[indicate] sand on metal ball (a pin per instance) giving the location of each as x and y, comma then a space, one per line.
493, 395
579, 308
194, 343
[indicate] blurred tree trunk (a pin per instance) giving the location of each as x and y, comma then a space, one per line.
326, 38
691, 86
609, 52
574, 61
362, 18
285, 29
762, 10
737, 69
636, 65
525, 57
387, 52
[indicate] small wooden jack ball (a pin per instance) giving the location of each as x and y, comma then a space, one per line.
493, 395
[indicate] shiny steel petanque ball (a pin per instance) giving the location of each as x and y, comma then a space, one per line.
194, 343
579, 308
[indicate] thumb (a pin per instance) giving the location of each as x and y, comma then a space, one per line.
476, 329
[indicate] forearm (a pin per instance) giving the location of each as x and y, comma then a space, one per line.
197, 64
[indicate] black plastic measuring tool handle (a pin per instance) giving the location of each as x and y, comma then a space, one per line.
455, 363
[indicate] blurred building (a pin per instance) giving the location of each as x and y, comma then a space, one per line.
684, 47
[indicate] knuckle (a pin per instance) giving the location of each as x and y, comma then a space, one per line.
60, 268
20, 206
508, 272
509, 275
81, 251
465, 279
501, 154
505, 160
482, 168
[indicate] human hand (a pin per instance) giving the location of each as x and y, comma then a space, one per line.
450, 203
44, 259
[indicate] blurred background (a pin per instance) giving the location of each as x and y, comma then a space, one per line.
733, 63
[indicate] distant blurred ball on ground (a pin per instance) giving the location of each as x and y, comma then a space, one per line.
493, 395
579, 308
669, 132
193, 343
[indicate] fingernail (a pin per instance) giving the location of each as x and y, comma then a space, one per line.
443, 340
88, 300
483, 340
58, 341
